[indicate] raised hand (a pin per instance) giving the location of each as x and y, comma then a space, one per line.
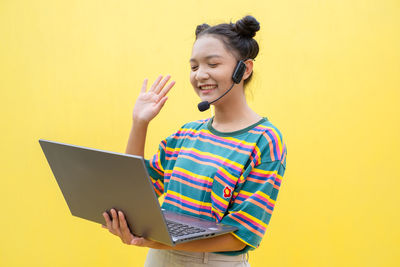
149, 103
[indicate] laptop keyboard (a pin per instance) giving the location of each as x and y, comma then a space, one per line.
180, 229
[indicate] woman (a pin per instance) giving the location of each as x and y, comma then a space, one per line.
227, 168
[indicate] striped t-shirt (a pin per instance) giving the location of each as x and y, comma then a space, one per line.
232, 178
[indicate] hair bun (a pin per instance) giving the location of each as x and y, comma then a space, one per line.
247, 26
201, 28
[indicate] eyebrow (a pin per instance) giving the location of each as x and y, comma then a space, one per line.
207, 57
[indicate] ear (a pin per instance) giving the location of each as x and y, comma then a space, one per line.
249, 68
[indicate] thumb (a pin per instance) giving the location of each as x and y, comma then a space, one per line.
162, 101
137, 241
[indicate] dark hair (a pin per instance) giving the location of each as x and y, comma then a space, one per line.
237, 37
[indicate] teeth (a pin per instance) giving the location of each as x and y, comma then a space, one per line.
208, 87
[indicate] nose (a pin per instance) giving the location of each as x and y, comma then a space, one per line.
201, 74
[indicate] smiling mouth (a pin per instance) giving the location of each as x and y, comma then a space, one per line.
208, 87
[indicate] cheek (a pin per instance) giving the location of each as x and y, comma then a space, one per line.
223, 75
192, 79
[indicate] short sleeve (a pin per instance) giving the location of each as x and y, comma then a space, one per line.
254, 202
155, 168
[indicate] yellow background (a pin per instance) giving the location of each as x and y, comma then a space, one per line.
328, 76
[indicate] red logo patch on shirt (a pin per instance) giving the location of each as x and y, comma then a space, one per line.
227, 192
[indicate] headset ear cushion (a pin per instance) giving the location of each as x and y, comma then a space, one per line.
239, 72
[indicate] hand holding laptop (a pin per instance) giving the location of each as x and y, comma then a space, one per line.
117, 225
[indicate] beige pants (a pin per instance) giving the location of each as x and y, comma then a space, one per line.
174, 258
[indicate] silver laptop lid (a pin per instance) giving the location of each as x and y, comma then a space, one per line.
93, 181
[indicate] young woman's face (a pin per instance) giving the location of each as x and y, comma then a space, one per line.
212, 67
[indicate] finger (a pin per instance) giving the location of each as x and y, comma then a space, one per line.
115, 221
166, 89
108, 220
144, 86
124, 226
162, 84
157, 81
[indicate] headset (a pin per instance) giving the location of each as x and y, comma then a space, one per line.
236, 77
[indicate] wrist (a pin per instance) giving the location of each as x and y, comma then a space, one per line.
138, 122
163, 246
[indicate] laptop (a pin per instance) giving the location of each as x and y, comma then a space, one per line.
93, 181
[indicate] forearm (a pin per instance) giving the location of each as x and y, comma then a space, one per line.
226, 242
137, 138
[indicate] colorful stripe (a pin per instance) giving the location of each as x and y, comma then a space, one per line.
195, 169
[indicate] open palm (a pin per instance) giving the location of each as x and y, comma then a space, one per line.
149, 103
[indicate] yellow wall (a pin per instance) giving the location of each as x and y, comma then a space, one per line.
328, 75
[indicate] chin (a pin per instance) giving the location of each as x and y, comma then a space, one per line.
209, 97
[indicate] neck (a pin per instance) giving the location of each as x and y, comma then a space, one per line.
234, 114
